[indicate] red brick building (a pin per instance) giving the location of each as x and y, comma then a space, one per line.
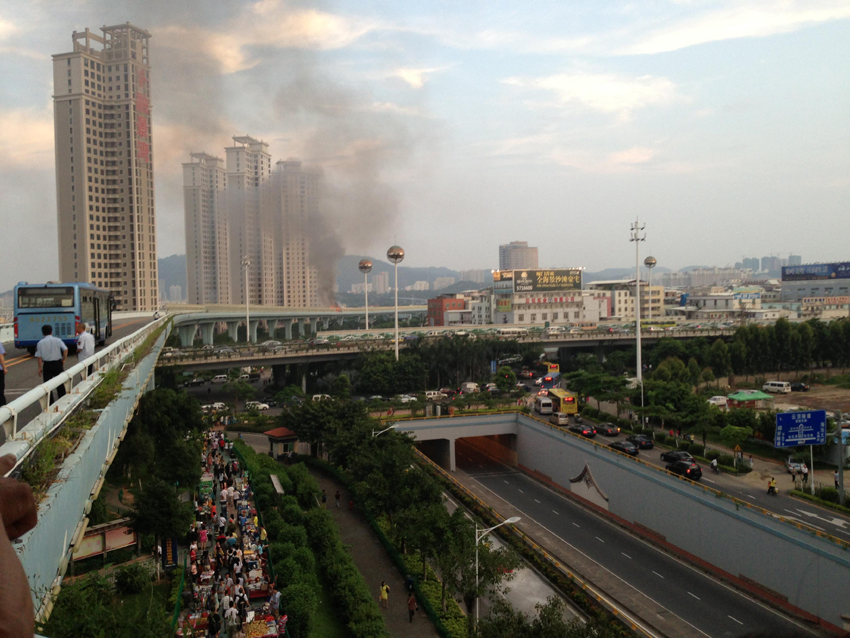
437, 308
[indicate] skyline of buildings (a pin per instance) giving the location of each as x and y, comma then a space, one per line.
104, 164
247, 224
517, 255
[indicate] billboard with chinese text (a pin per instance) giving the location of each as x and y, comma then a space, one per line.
816, 271
546, 280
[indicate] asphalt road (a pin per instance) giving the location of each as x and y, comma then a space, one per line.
709, 606
23, 368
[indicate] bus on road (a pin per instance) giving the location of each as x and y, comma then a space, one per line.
564, 401
64, 307
512, 332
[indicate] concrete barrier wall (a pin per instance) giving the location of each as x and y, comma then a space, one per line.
47, 546
812, 573
7, 332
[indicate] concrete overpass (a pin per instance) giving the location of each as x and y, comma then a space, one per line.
190, 319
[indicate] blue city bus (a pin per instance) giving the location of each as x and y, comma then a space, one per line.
63, 306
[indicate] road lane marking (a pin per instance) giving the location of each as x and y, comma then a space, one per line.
657, 574
555, 512
536, 501
505, 482
736, 620
17, 361
748, 496
695, 596
707, 480
617, 576
521, 492
626, 555
599, 539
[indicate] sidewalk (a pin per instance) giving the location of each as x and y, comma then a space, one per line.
372, 561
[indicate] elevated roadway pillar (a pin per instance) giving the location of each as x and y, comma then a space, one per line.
233, 330
252, 331
271, 324
325, 323
313, 322
187, 334
287, 328
207, 330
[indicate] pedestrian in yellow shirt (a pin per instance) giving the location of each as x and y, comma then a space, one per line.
385, 595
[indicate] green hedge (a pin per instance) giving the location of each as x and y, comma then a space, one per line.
292, 533
449, 624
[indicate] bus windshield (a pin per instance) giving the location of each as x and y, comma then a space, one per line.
45, 298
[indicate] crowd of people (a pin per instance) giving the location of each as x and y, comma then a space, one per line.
228, 585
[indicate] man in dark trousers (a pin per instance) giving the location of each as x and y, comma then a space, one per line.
51, 354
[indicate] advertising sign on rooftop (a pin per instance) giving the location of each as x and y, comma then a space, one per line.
546, 280
816, 271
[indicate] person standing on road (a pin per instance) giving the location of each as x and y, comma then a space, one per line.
85, 345
836, 479
805, 474
385, 595
2, 375
324, 499
51, 354
337, 497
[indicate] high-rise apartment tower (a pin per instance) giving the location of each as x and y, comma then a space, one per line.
104, 164
517, 255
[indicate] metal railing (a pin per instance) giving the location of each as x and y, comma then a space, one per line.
78, 385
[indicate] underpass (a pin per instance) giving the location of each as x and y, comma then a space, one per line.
542, 470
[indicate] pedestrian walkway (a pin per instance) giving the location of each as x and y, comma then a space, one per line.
373, 562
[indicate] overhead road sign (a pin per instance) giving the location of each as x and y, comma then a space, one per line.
800, 428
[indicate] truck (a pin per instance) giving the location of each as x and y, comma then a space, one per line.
469, 387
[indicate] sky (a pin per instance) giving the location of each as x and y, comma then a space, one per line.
452, 127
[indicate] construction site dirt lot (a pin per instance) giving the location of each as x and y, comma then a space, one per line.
820, 397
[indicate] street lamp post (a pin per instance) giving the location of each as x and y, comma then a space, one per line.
637, 238
246, 263
396, 254
478, 536
377, 433
365, 266
650, 262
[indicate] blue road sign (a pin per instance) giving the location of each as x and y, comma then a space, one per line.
492, 367
800, 428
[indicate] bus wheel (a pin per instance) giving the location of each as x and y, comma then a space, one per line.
31, 350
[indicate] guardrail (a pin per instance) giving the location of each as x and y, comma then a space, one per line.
78, 384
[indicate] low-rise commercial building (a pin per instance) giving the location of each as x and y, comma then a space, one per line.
439, 306
825, 308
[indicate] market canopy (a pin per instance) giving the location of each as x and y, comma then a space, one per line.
750, 395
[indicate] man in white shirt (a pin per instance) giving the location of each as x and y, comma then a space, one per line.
51, 354
85, 345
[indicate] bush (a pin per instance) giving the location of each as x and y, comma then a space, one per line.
637, 429
293, 515
294, 534
726, 459
300, 604
288, 500
828, 494
288, 570
671, 442
305, 559
271, 517
712, 454
624, 424
132, 579
275, 530
696, 449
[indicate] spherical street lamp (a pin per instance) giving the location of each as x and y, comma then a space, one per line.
396, 254
365, 267
650, 262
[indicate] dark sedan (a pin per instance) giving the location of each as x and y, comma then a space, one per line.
671, 456
799, 387
584, 430
607, 429
688, 469
642, 441
624, 446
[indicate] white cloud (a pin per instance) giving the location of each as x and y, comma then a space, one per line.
604, 92
738, 20
7, 28
26, 138
269, 23
391, 107
415, 77
632, 156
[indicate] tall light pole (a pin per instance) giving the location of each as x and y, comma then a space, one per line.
396, 254
365, 266
246, 263
637, 238
650, 262
478, 536
377, 433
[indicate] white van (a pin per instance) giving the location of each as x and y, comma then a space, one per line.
779, 387
542, 405
321, 397
219, 378
468, 387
